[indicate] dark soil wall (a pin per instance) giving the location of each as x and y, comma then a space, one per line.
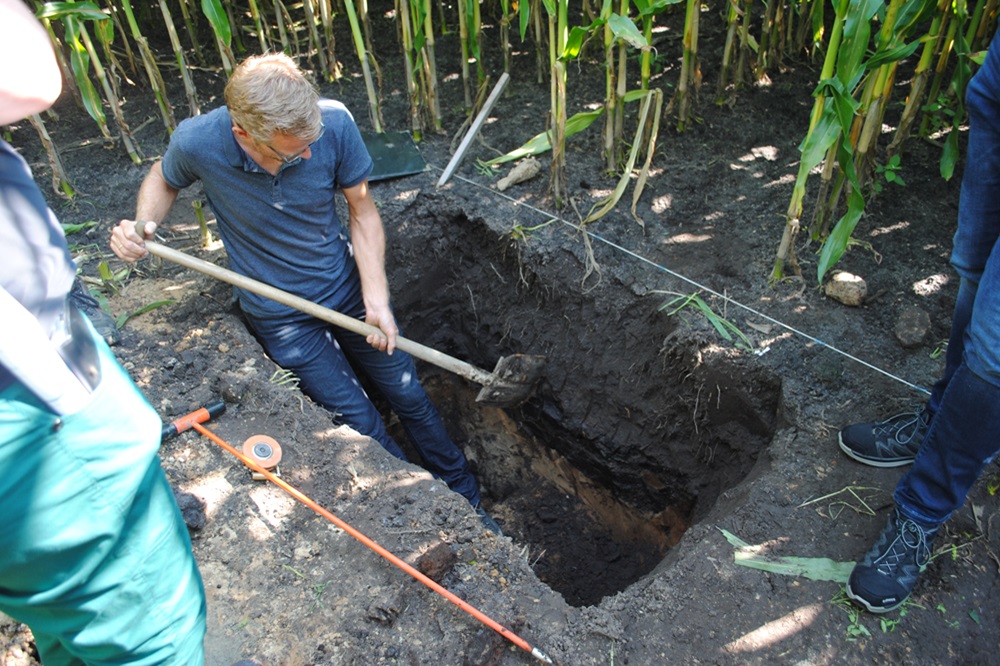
629, 401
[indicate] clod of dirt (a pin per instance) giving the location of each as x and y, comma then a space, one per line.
912, 327
437, 561
192, 509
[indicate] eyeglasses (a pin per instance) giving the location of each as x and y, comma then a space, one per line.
291, 159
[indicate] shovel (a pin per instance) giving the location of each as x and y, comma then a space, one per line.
510, 383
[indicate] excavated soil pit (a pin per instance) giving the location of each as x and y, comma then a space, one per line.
634, 430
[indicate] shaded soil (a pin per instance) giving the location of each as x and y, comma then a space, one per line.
648, 433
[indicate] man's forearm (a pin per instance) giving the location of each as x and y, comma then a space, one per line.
156, 197
368, 238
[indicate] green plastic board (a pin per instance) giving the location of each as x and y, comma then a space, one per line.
394, 154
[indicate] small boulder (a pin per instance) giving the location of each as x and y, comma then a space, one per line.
847, 288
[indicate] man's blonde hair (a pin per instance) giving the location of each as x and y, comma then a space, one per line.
269, 93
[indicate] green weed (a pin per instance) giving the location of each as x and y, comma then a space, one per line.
122, 318
722, 326
855, 629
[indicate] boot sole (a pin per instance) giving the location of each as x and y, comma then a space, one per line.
872, 462
873, 608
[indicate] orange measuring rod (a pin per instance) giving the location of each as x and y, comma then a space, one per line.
415, 573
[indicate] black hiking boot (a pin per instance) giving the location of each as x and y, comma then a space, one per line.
884, 578
105, 326
890, 443
487, 520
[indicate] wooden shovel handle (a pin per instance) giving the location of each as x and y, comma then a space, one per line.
415, 349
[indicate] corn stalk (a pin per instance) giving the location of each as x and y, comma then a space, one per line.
262, 29
175, 43
824, 130
898, 23
192, 31
411, 60
915, 100
60, 181
417, 31
690, 76
333, 71
557, 11
152, 71
470, 35
733, 16
111, 95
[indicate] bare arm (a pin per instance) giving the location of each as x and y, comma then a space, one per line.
368, 238
156, 198
32, 84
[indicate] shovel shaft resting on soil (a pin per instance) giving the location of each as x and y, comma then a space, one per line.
509, 384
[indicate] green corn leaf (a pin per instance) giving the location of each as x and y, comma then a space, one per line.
576, 38
813, 568
949, 156
836, 244
625, 29
79, 10
216, 15
122, 318
524, 17
892, 55
75, 228
647, 8
857, 34
80, 64
540, 142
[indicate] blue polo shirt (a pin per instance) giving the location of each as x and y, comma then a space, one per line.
281, 229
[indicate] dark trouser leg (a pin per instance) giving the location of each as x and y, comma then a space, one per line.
963, 438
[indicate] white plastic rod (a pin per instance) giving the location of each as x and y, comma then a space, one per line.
474, 130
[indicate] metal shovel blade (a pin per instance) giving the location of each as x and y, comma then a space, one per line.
513, 380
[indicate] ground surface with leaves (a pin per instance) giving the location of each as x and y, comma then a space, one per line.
643, 418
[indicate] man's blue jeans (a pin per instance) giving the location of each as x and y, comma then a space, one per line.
964, 433
320, 355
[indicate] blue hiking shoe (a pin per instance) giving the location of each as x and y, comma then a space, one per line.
487, 520
890, 443
884, 578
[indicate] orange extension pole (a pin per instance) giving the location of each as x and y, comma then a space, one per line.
453, 598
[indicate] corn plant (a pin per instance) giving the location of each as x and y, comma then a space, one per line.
84, 57
921, 75
374, 108
735, 53
420, 65
725, 328
218, 18
832, 107
152, 71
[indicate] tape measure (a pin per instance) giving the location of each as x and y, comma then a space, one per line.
265, 451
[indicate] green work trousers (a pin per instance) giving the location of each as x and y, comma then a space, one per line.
94, 555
